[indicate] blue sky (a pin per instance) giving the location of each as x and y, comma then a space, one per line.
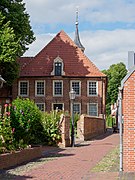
106, 27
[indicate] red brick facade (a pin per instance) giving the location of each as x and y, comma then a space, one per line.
49, 99
129, 124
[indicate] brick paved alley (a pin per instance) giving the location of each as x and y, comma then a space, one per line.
74, 163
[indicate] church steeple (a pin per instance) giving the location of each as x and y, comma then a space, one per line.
77, 39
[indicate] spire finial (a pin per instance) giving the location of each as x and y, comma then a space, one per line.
76, 16
77, 39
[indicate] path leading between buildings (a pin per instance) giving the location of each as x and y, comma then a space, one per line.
75, 163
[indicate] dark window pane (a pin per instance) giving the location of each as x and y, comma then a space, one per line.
58, 69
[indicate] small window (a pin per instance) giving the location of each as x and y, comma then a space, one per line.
58, 107
92, 88
58, 68
41, 106
93, 109
23, 88
58, 88
77, 108
40, 89
76, 86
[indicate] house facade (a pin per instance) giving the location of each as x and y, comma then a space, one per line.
59, 67
128, 116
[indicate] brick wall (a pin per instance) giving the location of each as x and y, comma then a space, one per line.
89, 127
48, 99
129, 124
13, 159
65, 131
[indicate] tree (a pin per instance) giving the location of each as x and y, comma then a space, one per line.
15, 36
15, 12
9, 47
115, 74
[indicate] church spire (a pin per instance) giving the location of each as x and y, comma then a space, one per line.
77, 39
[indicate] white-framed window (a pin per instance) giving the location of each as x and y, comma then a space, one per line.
41, 106
92, 88
77, 108
57, 88
76, 86
23, 88
58, 67
93, 109
40, 88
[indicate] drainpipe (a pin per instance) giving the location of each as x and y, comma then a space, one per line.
121, 131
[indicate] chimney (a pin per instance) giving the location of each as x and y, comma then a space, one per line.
131, 59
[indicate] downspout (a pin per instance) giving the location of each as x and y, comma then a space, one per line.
102, 103
121, 129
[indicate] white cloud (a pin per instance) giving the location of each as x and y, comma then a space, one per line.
41, 41
103, 48
50, 11
108, 47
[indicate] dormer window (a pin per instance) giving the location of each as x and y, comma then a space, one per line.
58, 67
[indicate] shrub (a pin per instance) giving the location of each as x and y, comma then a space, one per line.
50, 122
110, 121
26, 121
76, 118
6, 131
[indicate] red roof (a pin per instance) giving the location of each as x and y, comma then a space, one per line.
75, 61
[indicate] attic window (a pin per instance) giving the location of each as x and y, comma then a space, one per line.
58, 67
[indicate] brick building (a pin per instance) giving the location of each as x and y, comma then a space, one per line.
128, 115
60, 66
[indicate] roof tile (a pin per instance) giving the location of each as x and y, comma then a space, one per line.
75, 61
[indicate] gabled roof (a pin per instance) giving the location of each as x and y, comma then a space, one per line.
75, 61
127, 77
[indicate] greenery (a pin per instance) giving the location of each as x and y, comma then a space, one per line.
6, 131
9, 47
22, 124
115, 74
15, 12
50, 122
110, 121
15, 36
76, 118
26, 120
110, 163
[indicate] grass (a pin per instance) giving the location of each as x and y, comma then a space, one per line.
110, 163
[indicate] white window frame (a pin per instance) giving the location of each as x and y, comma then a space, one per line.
58, 103
58, 59
88, 109
36, 88
88, 94
57, 95
42, 104
79, 106
79, 86
23, 95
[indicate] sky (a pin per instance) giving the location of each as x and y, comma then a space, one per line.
106, 27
